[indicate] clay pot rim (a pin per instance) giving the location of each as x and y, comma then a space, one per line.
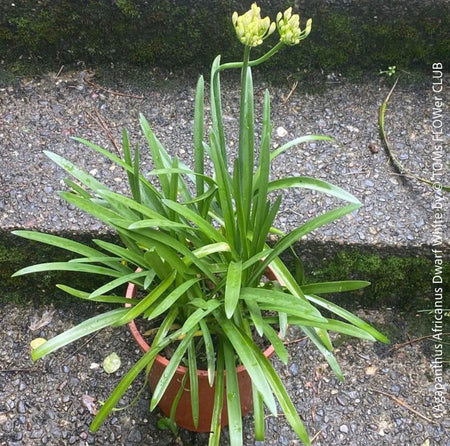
143, 345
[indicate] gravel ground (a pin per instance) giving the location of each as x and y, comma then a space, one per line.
42, 113
386, 398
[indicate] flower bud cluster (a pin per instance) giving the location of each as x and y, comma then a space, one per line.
288, 26
250, 28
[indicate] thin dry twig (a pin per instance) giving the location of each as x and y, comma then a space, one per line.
60, 71
79, 348
316, 436
100, 121
294, 86
412, 341
403, 404
295, 341
116, 93
20, 370
398, 166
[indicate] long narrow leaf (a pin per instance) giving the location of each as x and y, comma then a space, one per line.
85, 295
258, 414
87, 327
193, 380
210, 351
170, 299
195, 218
296, 234
148, 300
276, 342
121, 388
297, 141
348, 316
281, 300
59, 242
334, 287
171, 368
280, 391
327, 354
218, 400
313, 184
68, 266
233, 287
233, 397
240, 345
117, 282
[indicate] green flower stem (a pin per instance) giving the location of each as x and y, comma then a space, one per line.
244, 161
252, 63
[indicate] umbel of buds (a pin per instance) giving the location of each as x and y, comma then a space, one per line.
288, 26
251, 29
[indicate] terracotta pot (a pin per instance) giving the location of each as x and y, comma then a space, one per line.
183, 415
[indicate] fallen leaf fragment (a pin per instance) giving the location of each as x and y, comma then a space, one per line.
371, 370
35, 343
45, 319
111, 363
88, 402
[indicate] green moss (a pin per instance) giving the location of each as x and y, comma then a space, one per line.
39, 289
170, 33
403, 282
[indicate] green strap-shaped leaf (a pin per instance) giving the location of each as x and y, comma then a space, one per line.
171, 368
334, 287
296, 234
59, 242
148, 300
258, 414
124, 253
122, 387
327, 354
209, 230
218, 400
347, 315
87, 327
280, 301
240, 345
232, 396
109, 299
193, 380
313, 184
76, 172
233, 287
68, 266
210, 351
158, 308
117, 282
255, 314
280, 391
276, 342
297, 141
162, 223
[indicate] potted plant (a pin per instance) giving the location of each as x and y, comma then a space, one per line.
196, 246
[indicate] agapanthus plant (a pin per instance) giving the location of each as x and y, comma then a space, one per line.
196, 245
